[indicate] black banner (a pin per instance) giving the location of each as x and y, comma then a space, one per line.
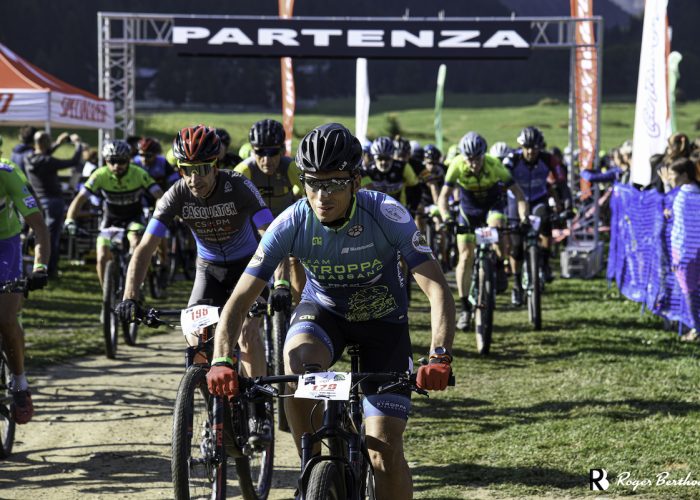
352, 37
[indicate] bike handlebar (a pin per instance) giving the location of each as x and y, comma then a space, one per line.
17, 285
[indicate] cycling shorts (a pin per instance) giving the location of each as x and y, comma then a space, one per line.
131, 226
215, 282
470, 222
384, 347
10, 258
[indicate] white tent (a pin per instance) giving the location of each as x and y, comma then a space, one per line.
29, 95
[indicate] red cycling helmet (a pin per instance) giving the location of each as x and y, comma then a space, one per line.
196, 144
150, 145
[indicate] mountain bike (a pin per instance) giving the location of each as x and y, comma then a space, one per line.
207, 430
113, 281
7, 424
275, 326
345, 471
483, 290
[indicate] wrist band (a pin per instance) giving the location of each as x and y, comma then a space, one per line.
281, 283
40, 267
442, 358
224, 359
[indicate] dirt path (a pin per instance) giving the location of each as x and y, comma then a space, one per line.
102, 429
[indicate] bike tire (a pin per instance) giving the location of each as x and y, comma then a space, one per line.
196, 471
326, 482
7, 424
254, 469
110, 321
154, 284
280, 325
534, 293
483, 315
130, 332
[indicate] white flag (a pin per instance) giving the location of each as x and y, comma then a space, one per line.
651, 112
361, 99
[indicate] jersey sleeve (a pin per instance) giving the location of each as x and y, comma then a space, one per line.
93, 183
147, 182
242, 168
275, 245
167, 207
18, 191
293, 176
409, 176
453, 172
254, 203
401, 231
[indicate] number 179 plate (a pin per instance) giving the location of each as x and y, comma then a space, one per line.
324, 385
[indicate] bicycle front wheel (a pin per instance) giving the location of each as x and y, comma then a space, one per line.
280, 325
198, 463
534, 293
254, 468
326, 482
110, 321
7, 425
483, 316
130, 332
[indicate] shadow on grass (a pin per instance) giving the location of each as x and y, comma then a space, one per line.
475, 475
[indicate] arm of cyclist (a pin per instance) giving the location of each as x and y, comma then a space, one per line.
42, 248
523, 209
222, 379
431, 280
75, 206
129, 309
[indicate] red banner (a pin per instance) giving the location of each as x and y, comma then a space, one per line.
288, 94
586, 78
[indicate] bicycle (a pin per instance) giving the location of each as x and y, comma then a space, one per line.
208, 429
7, 424
275, 326
345, 473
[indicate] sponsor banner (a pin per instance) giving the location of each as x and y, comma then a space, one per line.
651, 111
319, 37
81, 111
439, 101
288, 91
23, 106
361, 99
586, 78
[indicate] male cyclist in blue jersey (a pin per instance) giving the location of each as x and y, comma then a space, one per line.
349, 241
226, 215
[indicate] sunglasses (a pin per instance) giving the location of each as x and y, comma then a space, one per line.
116, 161
383, 158
327, 185
268, 151
201, 169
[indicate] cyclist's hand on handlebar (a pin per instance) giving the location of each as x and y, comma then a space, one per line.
448, 225
435, 375
37, 279
129, 310
70, 227
280, 298
222, 380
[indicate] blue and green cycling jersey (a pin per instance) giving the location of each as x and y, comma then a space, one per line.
353, 270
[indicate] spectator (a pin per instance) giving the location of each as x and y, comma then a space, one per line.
42, 169
90, 161
21, 150
679, 146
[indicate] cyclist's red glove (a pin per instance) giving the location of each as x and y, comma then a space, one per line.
222, 380
434, 376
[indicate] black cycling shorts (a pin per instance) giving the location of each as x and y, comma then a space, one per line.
384, 347
215, 282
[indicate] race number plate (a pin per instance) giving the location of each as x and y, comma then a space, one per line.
486, 235
324, 385
535, 222
197, 317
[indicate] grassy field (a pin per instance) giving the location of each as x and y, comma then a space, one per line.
599, 387
497, 117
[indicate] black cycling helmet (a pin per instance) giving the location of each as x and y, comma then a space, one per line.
432, 153
330, 147
266, 134
402, 146
531, 137
116, 151
196, 144
472, 145
382, 146
224, 137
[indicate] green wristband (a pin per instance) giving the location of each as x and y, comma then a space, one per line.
284, 283
40, 267
222, 360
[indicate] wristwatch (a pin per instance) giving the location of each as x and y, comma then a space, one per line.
441, 352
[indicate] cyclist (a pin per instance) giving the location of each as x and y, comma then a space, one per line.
153, 162
388, 174
349, 242
432, 178
536, 172
121, 185
15, 198
224, 211
275, 176
227, 158
500, 150
482, 180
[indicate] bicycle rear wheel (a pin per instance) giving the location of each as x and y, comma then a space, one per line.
254, 468
7, 425
483, 315
280, 325
534, 292
326, 482
198, 464
110, 321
